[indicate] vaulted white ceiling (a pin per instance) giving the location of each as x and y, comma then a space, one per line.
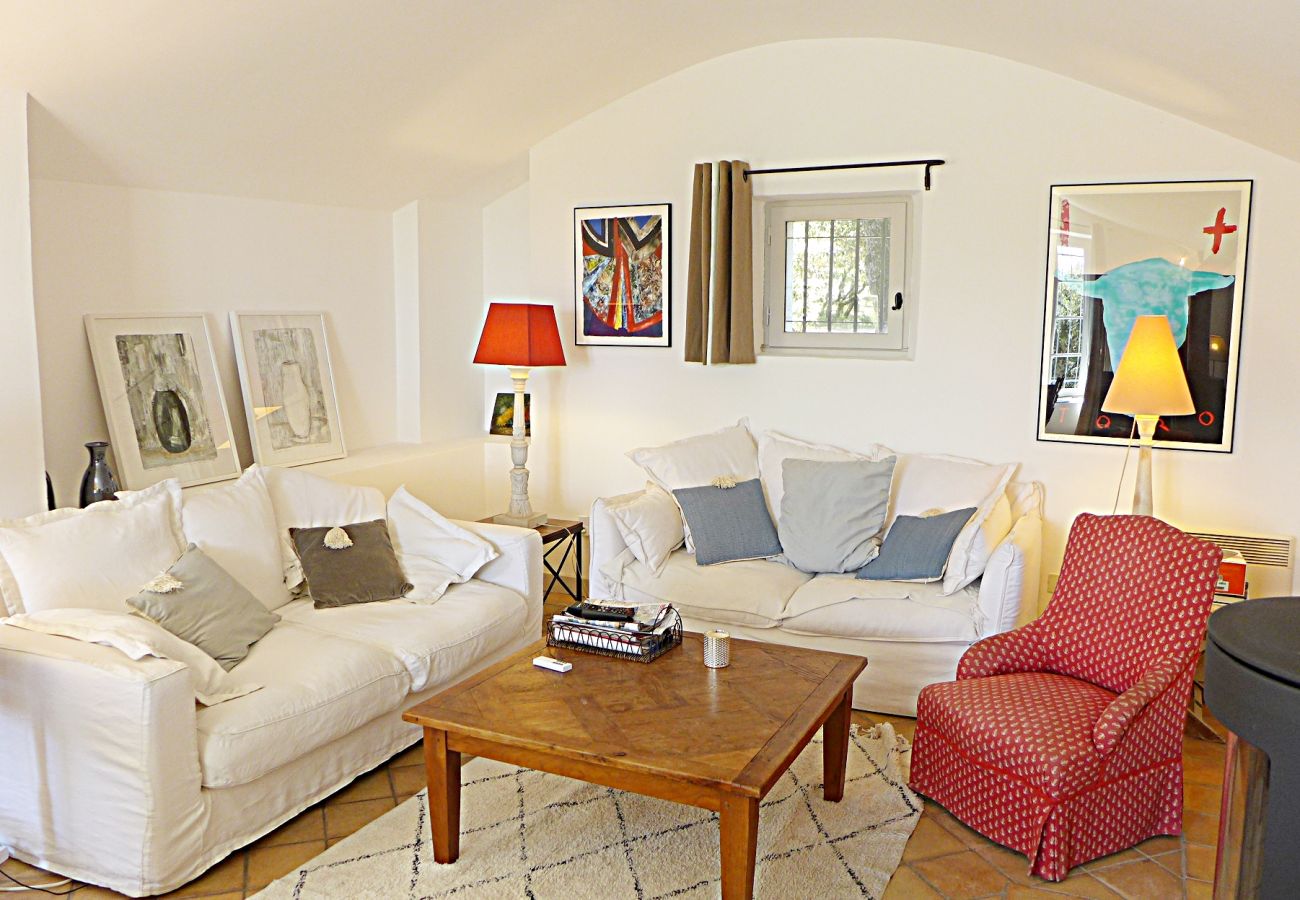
376, 102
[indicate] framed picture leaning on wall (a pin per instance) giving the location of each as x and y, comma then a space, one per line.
162, 398
1119, 251
288, 387
623, 275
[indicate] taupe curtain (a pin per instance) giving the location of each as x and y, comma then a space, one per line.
697, 270
729, 322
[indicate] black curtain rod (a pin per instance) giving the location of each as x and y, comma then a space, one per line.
928, 163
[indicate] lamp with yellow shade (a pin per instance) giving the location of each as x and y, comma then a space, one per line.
1149, 383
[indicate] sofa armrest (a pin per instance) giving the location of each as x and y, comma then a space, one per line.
519, 567
1008, 594
101, 777
606, 545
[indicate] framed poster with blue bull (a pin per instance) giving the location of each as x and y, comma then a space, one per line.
1119, 251
623, 275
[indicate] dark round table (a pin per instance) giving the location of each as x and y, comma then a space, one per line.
1252, 685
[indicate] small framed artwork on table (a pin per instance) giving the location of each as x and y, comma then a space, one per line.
162, 398
622, 275
288, 387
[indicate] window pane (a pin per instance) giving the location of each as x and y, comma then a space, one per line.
844, 283
818, 274
795, 229
794, 281
819, 228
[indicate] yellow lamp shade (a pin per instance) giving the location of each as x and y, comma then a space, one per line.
1150, 379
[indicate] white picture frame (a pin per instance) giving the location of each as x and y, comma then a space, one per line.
162, 396
287, 382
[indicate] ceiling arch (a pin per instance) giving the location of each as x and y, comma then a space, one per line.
375, 103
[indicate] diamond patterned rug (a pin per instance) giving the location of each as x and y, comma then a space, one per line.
529, 834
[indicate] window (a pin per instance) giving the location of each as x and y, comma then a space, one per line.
835, 273
1070, 333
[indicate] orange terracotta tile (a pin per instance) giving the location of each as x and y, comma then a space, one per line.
929, 840
1200, 862
1202, 798
1114, 859
227, 875
1199, 890
411, 756
962, 874
266, 864
409, 780
344, 818
1200, 828
371, 786
907, 885
308, 825
1162, 844
1142, 879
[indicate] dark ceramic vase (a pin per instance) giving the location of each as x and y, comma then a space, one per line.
172, 421
98, 483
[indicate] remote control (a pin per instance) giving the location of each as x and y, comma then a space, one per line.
555, 665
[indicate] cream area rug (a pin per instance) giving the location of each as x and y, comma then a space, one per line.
529, 834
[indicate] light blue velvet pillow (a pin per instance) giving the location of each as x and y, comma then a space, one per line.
832, 513
917, 548
729, 524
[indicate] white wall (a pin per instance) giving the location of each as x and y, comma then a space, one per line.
1008, 132
22, 488
111, 249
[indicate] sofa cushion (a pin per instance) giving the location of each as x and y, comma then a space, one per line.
843, 606
304, 500
234, 524
435, 552
775, 448
753, 592
92, 558
730, 522
436, 644
832, 513
315, 688
348, 564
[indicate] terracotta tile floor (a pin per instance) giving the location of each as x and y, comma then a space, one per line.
943, 858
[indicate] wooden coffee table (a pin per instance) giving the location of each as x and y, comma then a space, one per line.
673, 729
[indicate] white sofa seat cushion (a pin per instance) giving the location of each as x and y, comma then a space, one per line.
316, 688
753, 592
436, 644
843, 606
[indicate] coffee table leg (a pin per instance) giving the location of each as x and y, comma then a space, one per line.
835, 748
739, 836
443, 769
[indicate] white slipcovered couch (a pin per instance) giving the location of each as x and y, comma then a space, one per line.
911, 633
113, 775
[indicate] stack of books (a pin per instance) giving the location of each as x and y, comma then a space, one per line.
639, 631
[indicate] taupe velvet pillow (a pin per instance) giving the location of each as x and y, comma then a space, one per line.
203, 604
364, 571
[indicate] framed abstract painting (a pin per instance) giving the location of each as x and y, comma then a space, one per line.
288, 386
622, 265
162, 398
1119, 251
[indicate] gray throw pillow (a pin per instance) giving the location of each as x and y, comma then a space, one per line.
359, 568
917, 547
729, 523
832, 513
202, 604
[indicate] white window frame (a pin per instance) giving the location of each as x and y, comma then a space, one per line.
897, 341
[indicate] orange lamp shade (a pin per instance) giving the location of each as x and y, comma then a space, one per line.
520, 334
1150, 379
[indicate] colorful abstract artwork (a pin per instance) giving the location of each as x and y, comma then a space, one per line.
623, 275
1119, 251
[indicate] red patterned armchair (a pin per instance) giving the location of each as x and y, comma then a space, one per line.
1063, 740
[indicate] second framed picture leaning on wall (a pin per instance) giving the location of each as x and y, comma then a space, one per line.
622, 274
288, 386
1119, 251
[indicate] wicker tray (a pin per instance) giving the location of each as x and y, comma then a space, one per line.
622, 644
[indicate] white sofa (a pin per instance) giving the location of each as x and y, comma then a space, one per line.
910, 633
112, 774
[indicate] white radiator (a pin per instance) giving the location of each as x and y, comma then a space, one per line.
1269, 559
